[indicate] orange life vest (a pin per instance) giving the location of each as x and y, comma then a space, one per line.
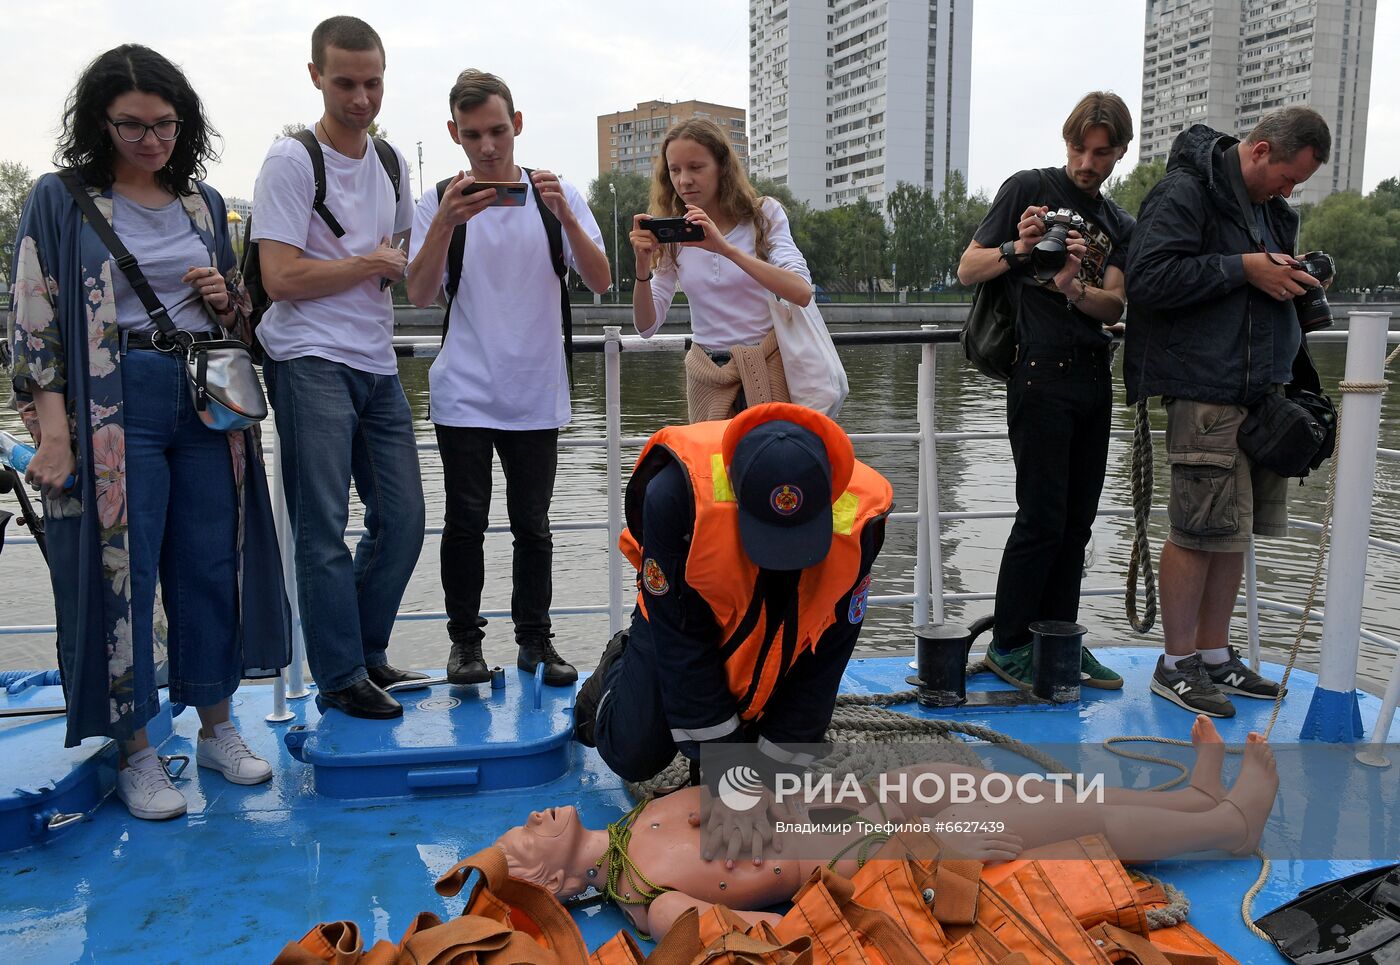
719, 570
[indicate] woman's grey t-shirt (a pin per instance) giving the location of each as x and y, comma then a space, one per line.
166, 247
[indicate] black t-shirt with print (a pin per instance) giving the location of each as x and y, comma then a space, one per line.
1045, 318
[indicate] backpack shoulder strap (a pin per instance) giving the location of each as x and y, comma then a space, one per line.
456, 249
308, 140
555, 232
389, 160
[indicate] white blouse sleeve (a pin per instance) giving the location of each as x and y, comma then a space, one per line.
663, 290
782, 252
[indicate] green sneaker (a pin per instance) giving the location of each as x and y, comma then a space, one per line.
1094, 674
1013, 666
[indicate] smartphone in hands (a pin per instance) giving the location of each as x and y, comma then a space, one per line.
671, 231
509, 194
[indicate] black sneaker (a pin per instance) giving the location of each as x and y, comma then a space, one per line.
590, 695
1189, 686
1234, 677
466, 665
538, 650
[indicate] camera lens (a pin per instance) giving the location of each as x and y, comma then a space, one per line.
1313, 311
1049, 255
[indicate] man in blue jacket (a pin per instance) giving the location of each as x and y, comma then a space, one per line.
1211, 283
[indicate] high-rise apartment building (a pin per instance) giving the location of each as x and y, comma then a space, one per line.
630, 140
847, 98
1227, 63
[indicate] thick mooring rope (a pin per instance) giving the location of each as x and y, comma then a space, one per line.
1141, 556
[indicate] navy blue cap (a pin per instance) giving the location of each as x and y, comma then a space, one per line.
782, 481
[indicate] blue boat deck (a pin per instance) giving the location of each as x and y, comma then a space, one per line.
251, 868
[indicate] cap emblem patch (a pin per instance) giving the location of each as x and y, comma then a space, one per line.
786, 499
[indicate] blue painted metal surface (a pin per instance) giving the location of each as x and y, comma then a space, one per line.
1334, 716
251, 868
449, 740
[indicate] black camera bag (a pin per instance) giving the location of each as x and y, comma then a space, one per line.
1289, 436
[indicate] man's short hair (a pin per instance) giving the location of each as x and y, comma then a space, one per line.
1100, 108
347, 33
472, 89
1289, 130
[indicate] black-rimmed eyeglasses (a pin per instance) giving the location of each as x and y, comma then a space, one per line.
134, 131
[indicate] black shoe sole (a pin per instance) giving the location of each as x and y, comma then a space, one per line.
1162, 690
474, 677
322, 703
550, 681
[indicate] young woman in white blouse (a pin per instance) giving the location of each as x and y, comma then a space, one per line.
730, 278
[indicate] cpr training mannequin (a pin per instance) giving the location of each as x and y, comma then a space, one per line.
664, 874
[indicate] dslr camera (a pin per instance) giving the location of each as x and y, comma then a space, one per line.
1313, 310
1050, 253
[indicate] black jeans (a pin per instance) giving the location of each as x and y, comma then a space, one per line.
528, 460
1059, 407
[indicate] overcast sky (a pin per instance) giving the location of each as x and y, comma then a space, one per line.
568, 62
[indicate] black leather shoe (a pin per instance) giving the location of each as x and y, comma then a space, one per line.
392, 678
364, 698
537, 650
591, 693
466, 665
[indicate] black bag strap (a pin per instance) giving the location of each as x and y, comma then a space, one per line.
389, 161
126, 261
308, 140
1236, 179
456, 251
555, 231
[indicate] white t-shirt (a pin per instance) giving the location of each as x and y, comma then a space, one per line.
727, 307
502, 365
356, 326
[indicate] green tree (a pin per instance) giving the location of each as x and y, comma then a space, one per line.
1359, 234
959, 215
632, 191
917, 235
820, 244
15, 183
1129, 191
863, 244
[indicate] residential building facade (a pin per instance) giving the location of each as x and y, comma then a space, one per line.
847, 98
1227, 63
630, 140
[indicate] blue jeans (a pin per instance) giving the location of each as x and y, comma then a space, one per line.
182, 511
339, 425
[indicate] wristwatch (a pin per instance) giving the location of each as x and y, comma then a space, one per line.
1008, 253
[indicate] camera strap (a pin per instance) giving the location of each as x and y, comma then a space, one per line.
1235, 176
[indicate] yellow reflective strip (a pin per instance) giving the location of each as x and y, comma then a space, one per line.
843, 513
723, 492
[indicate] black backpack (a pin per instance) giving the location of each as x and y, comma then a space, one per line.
555, 232
989, 336
250, 267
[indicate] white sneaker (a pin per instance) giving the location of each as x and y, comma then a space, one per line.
225, 752
145, 788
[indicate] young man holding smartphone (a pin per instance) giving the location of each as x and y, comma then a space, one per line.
501, 381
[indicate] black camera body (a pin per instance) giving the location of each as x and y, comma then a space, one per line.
671, 231
1051, 252
1313, 311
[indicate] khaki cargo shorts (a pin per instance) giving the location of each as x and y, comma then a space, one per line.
1218, 497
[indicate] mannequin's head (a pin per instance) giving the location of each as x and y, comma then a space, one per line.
548, 850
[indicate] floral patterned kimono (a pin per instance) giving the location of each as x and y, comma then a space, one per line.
64, 336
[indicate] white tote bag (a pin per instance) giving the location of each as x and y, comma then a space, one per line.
815, 376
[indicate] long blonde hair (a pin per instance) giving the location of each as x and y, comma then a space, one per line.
735, 196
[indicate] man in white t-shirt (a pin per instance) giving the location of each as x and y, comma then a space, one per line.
342, 416
501, 381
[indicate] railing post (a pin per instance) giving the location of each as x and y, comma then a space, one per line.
612, 369
295, 687
1374, 755
928, 562
1334, 714
1251, 603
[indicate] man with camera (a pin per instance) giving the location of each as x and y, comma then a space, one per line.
495, 240
1215, 331
1062, 246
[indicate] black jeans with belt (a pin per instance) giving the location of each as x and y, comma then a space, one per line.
528, 460
1059, 407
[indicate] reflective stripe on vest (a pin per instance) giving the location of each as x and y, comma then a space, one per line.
718, 569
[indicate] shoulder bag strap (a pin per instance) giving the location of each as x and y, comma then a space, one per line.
318, 174
389, 160
555, 231
456, 250
1236, 179
126, 261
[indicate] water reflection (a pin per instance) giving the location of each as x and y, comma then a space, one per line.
973, 475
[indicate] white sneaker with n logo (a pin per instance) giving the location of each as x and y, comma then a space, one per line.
1189, 686
1234, 677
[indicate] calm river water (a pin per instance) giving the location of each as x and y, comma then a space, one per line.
972, 476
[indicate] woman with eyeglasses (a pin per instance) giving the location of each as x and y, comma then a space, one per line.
155, 496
